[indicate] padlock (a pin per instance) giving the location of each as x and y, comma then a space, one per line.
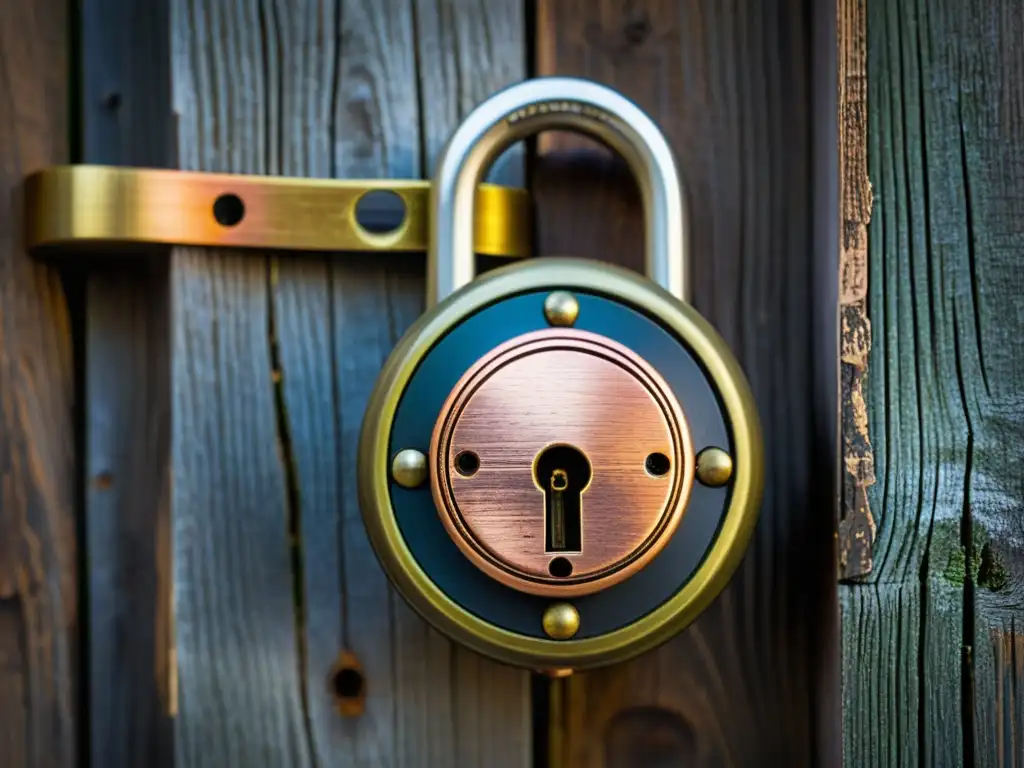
561, 463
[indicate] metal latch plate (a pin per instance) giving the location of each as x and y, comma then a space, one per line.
78, 207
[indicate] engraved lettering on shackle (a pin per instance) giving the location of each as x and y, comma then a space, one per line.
555, 107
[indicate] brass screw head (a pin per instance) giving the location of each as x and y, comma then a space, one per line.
409, 468
561, 308
714, 467
561, 621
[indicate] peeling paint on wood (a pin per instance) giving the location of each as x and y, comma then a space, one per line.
856, 523
927, 663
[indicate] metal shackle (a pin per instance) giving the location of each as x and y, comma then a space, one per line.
554, 103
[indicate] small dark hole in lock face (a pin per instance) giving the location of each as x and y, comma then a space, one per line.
348, 683
560, 568
228, 210
467, 463
657, 464
562, 472
380, 211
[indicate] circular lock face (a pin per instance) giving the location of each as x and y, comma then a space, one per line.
625, 403
561, 463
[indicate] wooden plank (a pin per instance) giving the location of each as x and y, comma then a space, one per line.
932, 639
15, 747
129, 643
38, 578
730, 84
274, 360
126, 120
239, 672
982, 62
827, 241
904, 625
999, 681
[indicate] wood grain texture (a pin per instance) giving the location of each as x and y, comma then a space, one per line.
126, 120
127, 520
903, 629
238, 652
931, 640
38, 577
274, 361
983, 61
729, 83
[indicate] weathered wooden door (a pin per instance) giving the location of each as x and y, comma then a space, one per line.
181, 555
933, 398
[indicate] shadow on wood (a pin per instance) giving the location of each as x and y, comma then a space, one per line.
39, 670
730, 84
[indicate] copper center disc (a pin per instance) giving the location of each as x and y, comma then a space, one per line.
587, 395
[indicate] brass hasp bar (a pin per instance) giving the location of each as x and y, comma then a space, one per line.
80, 208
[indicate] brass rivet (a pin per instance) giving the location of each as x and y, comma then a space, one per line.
714, 467
561, 621
561, 308
409, 468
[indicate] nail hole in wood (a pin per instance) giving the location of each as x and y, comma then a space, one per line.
637, 29
347, 685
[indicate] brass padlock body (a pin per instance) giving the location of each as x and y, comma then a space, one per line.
472, 564
422, 558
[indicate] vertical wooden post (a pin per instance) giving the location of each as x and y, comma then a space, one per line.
273, 361
730, 84
932, 628
825, 212
38, 576
125, 119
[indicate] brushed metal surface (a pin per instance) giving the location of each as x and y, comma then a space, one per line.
549, 387
89, 205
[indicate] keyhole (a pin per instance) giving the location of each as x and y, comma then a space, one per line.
563, 472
